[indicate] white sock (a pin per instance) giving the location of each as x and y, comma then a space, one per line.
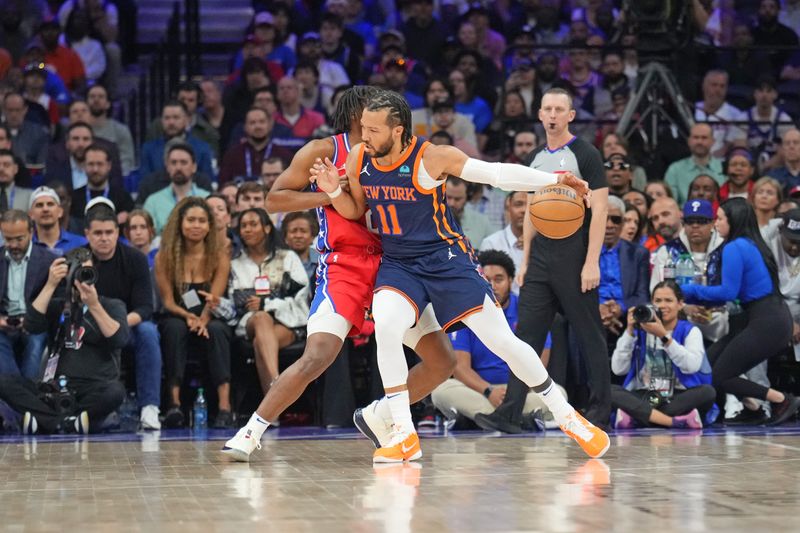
400, 409
491, 327
257, 426
393, 317
556, 402
383, 411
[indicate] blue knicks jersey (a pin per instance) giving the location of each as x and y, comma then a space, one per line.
408, 208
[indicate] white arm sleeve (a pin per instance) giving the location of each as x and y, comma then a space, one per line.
506, 176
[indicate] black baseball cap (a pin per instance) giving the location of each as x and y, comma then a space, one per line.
791, 225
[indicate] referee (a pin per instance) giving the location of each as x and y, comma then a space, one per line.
562, 275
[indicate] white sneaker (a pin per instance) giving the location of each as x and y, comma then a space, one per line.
732, 406
29, 424
241, 445
149, 417
372, 426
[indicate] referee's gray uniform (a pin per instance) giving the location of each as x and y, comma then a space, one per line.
553, 284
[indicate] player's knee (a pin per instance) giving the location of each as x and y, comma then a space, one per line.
386, 329
314, 362
383, 321
437, 352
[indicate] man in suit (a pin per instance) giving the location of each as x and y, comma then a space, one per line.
24, 267
624, 274
11, 196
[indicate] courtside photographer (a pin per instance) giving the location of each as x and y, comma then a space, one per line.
668, 376
86, 332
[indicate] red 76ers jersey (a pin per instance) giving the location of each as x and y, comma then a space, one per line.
335, 231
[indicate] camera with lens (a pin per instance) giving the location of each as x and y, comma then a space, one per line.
646, 313
77, 271
58, 396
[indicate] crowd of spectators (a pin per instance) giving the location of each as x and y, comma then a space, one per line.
178, 227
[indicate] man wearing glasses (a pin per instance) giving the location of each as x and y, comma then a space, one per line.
700, 240
618, 174
624, 274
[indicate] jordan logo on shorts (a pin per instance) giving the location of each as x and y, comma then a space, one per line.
450, 254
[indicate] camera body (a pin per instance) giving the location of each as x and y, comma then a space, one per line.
646, 313
59, 397
77, 271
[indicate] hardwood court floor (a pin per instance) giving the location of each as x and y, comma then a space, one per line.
323, 481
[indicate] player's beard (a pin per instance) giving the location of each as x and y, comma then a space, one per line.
384, 149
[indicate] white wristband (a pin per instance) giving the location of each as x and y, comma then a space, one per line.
335, 193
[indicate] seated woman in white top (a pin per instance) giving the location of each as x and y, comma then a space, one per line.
267, 299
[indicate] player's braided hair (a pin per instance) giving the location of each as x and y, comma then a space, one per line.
350, 106
399, 112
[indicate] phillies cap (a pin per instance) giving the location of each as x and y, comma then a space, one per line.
698, 209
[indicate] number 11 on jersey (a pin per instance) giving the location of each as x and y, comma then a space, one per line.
390, 225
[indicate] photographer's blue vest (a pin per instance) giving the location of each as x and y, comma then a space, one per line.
676, 249
695, 379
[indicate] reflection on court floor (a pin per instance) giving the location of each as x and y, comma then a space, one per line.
323, 480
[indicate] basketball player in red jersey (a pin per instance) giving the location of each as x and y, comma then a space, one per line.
350, 255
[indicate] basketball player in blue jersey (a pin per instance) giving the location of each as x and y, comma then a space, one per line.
428, 262
349, 260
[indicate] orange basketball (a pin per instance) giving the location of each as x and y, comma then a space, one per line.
557, 211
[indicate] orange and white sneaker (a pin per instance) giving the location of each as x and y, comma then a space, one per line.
403, 446
592, 439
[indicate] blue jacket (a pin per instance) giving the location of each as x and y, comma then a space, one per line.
701, 377
676, 249
634, 266
152, 156
744, 276
35, 276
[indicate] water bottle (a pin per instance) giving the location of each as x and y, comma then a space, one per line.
685, 270
699, 277
200, 412
127, 414
680, 270
669, 268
